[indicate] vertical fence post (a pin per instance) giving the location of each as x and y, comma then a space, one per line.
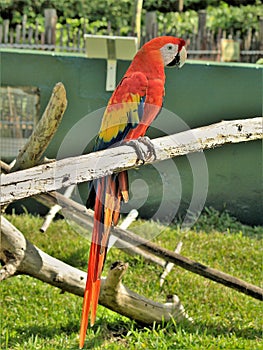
109, 31
11, 35
18, 33
1, 33
50, 26
61, 31
30, 35
260, 33
136, 21
36, 39
24, 20
151, 25
201, 41
6, 31
180, 5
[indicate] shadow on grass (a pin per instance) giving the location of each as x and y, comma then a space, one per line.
213, 220
100, 332
118, 330
77, 258
219, 329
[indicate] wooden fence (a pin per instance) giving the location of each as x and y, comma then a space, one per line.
205, 44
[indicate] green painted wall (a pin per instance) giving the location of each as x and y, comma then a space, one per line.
200, 94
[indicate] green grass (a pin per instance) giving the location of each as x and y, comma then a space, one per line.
35, 315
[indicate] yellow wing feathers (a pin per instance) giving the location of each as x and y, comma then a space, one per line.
119, 116
124, 109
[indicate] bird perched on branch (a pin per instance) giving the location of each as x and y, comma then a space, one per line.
134, 104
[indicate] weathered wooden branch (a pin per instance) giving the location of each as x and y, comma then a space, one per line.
129, 219
34, 148
4, 167
55, 209
191, 265
22, 257
169, 266
132, 249
85, 218
65, 172
150, 251
130, 304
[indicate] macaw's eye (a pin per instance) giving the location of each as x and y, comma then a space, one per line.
169, 47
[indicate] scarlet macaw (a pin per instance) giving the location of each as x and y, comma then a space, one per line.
133, 106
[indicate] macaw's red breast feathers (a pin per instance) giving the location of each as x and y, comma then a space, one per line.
134, 104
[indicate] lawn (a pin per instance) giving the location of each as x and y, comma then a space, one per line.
35, 315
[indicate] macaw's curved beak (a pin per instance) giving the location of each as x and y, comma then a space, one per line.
179, 59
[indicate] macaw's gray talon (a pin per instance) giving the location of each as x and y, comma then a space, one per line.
151, 150
143, 155
138, 149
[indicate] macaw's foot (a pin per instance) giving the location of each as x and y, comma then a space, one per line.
143, 154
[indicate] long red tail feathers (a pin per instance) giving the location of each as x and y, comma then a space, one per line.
111, 190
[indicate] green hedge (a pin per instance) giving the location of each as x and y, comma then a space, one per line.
97, 14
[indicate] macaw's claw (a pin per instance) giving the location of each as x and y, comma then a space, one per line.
151, 150
142, 154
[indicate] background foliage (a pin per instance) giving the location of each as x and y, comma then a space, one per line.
97, 14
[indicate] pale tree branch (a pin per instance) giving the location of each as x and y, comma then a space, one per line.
5, 168
73, 170
34, 148
191, 265
84, 218
169, 265
149, 250
55, 209
22, 257
152, 251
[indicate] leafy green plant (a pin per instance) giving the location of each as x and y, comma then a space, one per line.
97, 14
178, 23
228, 17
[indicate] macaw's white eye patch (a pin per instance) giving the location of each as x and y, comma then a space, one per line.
169, 51
179, 59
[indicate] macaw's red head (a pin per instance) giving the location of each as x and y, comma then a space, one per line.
169, 49
172, 50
